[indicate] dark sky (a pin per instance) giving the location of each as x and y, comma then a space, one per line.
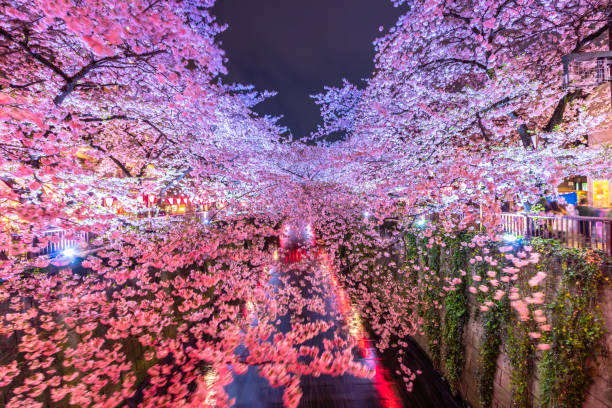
296, 47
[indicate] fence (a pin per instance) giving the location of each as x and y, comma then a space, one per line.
62, 240
576, 232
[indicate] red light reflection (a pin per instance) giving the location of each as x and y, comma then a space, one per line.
386, 389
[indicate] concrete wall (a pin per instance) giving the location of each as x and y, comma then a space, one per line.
599, 395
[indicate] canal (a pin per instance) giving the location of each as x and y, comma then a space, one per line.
309, 292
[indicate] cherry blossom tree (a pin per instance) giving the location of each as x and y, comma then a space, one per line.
100, 99
465, 110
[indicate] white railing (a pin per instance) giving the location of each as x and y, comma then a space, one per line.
62, 240
576, 232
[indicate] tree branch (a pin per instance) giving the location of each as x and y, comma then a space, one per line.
557, 116
455, 61
589, 38
24, 45
126, 172
72, 81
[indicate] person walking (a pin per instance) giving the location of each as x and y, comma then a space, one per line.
584, 210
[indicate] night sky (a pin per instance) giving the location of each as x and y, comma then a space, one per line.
296, 47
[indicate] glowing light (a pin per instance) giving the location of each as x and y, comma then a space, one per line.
69, 252
389, 396
509, 238
420, 223
366, 214
210, 378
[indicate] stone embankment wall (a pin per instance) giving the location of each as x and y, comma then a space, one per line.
597, 393
598, 396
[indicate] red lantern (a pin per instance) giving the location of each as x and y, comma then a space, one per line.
171, 200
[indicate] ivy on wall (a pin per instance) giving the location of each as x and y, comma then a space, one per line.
520, 353
431, 313
577, 328
490, 348
456, 314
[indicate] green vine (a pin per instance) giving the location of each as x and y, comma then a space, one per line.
520, 353
431, 314
575, 319
577, 329
490, 348
455, 316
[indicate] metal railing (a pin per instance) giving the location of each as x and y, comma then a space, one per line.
575, 232
62, 240
59, 239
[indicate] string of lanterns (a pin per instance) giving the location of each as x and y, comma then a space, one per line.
196, 200
151, 199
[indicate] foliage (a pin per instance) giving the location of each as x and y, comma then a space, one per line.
456, 314
575, 337
520, 353
105, 99
577, 329
431, 313
490, 348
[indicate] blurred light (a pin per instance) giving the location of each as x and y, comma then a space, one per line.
420, 223
366, 214
69, 252
509, 238
309, 230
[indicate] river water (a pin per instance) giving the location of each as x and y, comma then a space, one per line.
384, 390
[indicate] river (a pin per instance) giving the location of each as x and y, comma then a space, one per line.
312, 278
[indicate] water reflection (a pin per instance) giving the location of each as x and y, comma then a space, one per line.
388, 393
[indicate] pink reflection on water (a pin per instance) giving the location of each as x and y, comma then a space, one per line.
386, 389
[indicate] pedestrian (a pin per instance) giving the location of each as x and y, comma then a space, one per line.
584, 210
